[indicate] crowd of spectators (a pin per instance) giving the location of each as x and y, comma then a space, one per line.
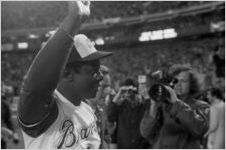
132, 61
140, 59
14, 67
49, 14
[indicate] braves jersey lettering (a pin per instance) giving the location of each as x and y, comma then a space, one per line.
75, 127
68, 135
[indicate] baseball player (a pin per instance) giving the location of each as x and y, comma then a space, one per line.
53, 112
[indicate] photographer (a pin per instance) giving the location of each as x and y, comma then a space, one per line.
127, 109
176, 120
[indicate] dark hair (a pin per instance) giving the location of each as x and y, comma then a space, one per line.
194, 85
217, 93
216, 48
178, 68
129, 82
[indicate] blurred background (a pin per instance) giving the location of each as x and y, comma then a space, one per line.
145, 36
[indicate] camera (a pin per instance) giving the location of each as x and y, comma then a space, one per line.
129, 89
158, 92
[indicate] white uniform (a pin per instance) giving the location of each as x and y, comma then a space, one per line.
216, 139
75, 127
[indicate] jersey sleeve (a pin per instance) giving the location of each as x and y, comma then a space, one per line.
36, 129
37, 108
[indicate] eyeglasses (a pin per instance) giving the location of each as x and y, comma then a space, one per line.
98, 75
93, 72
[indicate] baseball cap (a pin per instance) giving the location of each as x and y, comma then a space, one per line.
83, 50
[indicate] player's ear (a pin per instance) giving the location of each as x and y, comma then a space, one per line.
70, 77
73, 76
68, 74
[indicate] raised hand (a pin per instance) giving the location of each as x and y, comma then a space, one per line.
173, 96
79, 10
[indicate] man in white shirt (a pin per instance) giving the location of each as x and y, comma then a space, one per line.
216, 132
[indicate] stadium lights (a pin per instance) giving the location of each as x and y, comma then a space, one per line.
109, 38
22, 45
217, 26
170, 33
157, 35
112, 20
50, 33
99, 41
32, 36
144, 36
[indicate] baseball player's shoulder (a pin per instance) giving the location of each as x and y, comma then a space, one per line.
36, 129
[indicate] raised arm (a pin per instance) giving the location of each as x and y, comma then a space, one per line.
36, 102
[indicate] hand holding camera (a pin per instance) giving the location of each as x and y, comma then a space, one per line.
128, 88
173, 97
118, 99
123, 92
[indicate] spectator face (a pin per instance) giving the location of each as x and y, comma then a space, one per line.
209, 97
106, 87
106, 84
129, 95
87, 79
107, 90
183, 85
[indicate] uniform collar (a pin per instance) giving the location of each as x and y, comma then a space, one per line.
65, 100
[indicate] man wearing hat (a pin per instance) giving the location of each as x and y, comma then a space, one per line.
53, 112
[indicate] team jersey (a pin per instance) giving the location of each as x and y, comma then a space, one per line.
74, 127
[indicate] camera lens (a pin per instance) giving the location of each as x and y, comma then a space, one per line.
158, 93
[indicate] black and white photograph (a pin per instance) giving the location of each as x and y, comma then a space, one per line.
112, 74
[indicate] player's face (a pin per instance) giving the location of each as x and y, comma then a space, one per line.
88, 79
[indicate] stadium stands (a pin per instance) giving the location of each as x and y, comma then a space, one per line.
134, 58
129, 61
48, 14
